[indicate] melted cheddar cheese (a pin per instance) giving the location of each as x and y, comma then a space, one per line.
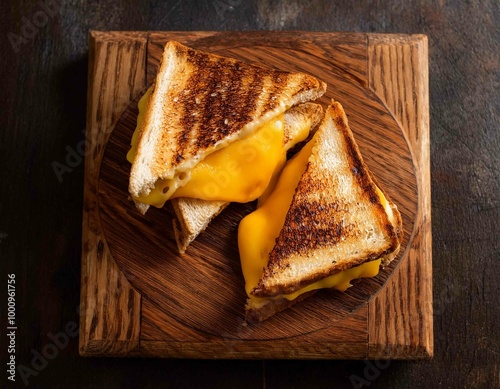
258, 231
239, 172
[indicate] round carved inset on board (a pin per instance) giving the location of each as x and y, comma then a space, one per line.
204, 288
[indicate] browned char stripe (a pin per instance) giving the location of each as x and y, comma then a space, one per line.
228, 95
313, 222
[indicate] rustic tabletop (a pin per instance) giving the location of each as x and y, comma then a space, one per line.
44, 68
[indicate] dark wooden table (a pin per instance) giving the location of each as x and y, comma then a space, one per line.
43, 66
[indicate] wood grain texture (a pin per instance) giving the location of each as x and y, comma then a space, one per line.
398, 73
109, 308
211, 313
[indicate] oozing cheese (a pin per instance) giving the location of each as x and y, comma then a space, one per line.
240, 172
237, 173
258, 231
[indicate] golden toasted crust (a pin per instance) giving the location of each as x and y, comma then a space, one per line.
336, 219
202, 102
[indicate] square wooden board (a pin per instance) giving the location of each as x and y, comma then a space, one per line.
396, 323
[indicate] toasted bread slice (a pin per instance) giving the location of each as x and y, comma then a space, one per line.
194, 215
202, 102
338, 219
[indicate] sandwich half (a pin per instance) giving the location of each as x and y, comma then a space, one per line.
193, 215
325, 223
202, 104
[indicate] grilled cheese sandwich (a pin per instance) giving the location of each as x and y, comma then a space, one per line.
309, 233
200, 105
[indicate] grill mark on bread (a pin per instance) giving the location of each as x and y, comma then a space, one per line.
219, 78
222, 112
173, 122
189, 102
309, 83
316, 223
212, 109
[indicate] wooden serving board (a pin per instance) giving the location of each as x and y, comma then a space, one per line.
140, 297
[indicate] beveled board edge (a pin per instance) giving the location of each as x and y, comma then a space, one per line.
109, 307
398, 74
